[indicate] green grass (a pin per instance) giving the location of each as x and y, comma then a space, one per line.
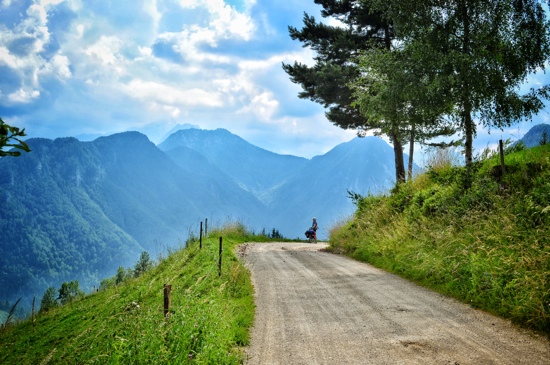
208, 324
488, 245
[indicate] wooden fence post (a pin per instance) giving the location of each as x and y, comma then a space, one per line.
200, 238
220, 260
206, 226
167, 291
501, 150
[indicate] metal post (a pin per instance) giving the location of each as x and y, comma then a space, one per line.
206, 226
200, 238
220, 260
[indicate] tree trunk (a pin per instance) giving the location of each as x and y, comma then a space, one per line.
469, 134
411, 154
466, 97
397, 146
399, 163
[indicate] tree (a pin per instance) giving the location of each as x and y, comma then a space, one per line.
69, 291
337, 49
120, 275
143, 264
543, 138
276, 234
9, 138
484, 49
48, 300
392, 91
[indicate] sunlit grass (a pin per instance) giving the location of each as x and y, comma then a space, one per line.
208, 322
488, 245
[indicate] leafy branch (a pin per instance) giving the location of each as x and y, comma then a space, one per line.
9, 137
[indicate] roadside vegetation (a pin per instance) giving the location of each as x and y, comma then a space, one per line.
124, 322
487, 245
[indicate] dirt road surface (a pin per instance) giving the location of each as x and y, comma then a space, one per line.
314, 307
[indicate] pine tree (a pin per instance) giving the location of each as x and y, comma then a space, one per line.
337, 49
143, 264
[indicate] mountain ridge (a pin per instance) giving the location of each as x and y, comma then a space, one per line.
75, 210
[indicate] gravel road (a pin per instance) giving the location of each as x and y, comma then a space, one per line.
314, 307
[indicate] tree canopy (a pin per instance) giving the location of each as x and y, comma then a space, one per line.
481, 51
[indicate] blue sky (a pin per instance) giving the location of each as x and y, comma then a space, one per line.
81, 67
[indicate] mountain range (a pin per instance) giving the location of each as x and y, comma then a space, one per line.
77, 210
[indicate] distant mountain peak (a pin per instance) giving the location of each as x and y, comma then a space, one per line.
177, 128
534, 136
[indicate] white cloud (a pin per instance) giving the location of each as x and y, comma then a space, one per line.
38, 13
24, 95
161, 96
7, 58
224, 23
229, 23
59, 66
145, 51
105, 49
189, 4
263, 106
45, 3
150, 7
115, 76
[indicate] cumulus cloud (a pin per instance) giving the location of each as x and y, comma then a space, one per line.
24, 95
73, 66
163, 94
105, 50
22, 50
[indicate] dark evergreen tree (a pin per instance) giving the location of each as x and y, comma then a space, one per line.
543, 138
336, 65
276, 234
143, 264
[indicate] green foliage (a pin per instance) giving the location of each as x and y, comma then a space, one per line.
274, 234
48, 300
143, 265
10, 138
475, 55
208, 322
487, 245
543, 138
69, 291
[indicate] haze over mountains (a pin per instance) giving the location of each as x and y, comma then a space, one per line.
79, 210
73, 210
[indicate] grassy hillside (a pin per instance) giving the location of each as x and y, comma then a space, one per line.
488, 245
125, 324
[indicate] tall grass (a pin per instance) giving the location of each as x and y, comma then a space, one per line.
208, 323
488, 245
